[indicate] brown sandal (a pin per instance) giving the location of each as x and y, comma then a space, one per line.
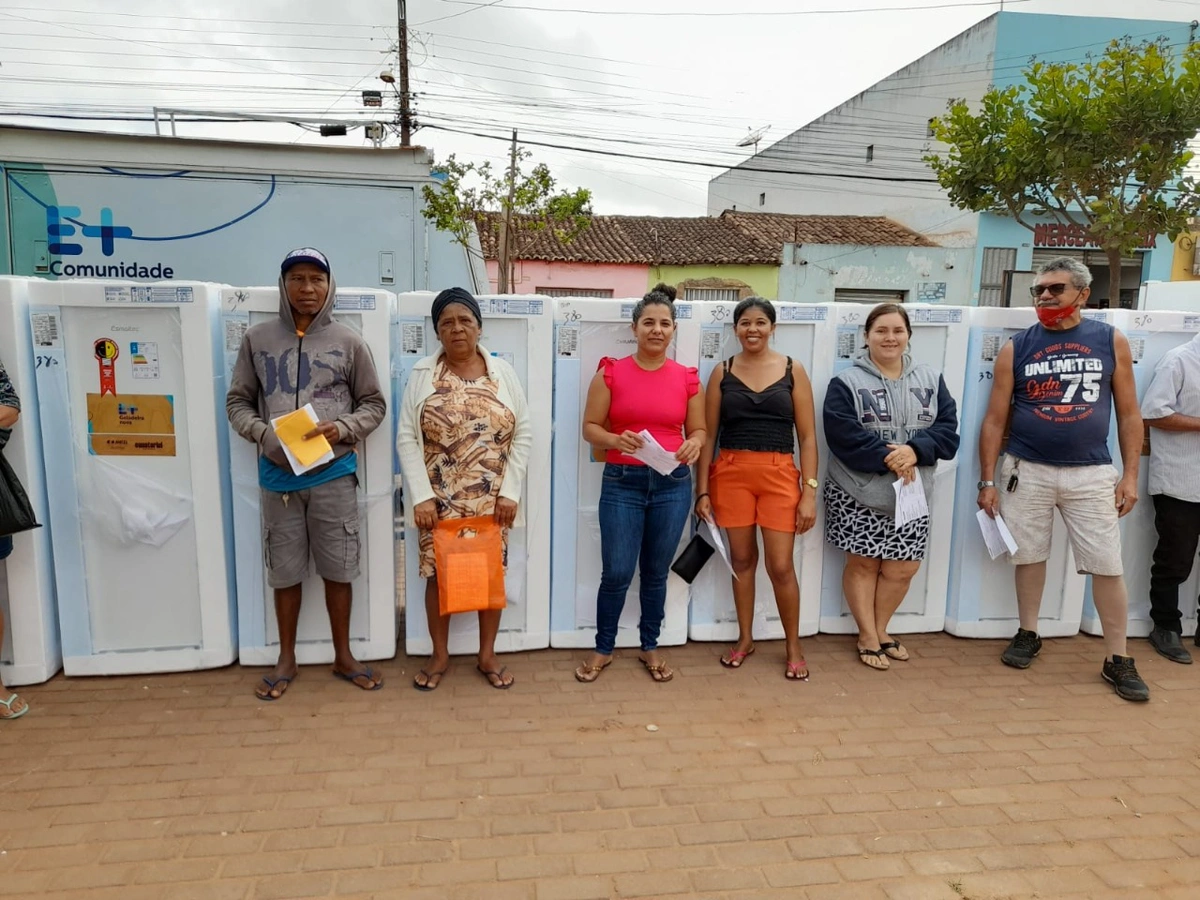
587, 674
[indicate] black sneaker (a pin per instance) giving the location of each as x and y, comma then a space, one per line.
1168, 644
1122, 674
1021, 650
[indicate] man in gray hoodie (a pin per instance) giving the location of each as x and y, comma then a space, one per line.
305, 357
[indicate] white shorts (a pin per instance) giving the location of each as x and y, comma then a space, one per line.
1085, 497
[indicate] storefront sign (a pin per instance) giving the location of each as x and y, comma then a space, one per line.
1055, 234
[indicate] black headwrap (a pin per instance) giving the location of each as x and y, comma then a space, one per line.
455, 295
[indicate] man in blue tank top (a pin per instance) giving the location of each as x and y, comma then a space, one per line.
1059, 381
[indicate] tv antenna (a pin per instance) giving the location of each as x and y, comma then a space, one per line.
752, 139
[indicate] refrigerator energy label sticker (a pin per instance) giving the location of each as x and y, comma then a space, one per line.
131, 424
1137, 345
568, 341
847, 342
710, 344
45, 330
991, 345
235, 330
412, 338
143, 358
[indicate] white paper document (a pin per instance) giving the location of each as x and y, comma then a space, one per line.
654, 455
298, 467
910, 500
713, 536
996, 535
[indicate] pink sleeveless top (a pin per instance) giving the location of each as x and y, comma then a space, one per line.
656, 401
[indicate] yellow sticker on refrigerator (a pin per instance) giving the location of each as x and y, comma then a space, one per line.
131, 424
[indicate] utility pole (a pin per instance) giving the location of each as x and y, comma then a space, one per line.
405, 110
503, 282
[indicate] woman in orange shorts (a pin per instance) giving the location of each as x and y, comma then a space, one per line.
755, 401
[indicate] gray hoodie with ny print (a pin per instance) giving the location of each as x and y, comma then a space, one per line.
865, 411
279, 370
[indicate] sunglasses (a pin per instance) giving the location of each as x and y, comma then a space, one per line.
1056, 290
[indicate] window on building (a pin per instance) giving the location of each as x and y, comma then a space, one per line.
868, 295
870, 152
719, 295
762, 199
573, 292
996, 261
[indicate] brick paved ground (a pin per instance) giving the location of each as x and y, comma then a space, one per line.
949, 777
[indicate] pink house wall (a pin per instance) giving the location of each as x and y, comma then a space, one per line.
622, 280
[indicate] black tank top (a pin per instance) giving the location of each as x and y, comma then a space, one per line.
763, 421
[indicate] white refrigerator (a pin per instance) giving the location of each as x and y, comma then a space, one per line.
585, 331
31, 652
130, 400
517, 329
373, 615
805, 332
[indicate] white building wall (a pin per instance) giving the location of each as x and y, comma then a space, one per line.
893, 118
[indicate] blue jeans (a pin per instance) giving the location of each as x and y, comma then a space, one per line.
642, 515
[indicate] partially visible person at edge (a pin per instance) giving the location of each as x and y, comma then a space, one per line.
12, 706
886, 418
642, 513
753, 404
464, 445
1058, 380
303, 357
1171, 408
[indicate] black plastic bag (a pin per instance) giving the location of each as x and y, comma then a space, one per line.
16, 514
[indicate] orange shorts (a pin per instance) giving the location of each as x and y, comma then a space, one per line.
753, 488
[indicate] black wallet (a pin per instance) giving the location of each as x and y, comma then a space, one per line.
692, 559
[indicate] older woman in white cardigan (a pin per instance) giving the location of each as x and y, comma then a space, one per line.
464, 444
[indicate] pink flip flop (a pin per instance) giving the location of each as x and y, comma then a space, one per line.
735, 658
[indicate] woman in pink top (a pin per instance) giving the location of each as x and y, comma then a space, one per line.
642, 513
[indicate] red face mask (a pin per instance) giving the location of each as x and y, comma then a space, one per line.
1052, 315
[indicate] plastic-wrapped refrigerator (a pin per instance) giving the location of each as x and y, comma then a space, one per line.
982, 601
31, 652
585, 331
1152, 335
939, 339
130, 399
373, 618
805, 332
517, 329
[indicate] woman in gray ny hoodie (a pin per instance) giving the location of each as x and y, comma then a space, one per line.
886, 418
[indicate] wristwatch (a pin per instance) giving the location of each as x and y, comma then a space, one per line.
985, 484
812, 483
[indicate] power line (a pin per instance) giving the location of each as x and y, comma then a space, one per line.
741, 13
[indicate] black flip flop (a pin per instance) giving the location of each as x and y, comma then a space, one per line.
488, 676
428, 675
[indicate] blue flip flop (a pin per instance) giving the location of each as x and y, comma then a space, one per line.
285, 681
366, 673
7, 704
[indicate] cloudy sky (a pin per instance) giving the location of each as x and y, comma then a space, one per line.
678, 80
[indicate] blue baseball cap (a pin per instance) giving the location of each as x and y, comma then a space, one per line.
305, 255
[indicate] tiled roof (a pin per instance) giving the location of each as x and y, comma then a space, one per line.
729, 239
777, 229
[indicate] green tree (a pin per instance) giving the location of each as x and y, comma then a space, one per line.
1102, 144
516, 205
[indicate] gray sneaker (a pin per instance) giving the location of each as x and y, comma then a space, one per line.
1170, 645
1022, 649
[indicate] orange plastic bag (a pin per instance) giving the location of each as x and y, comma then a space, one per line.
469, 558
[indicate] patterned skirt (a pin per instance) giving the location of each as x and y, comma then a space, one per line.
852, 527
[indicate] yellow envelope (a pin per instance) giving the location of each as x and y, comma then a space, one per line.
291, 430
